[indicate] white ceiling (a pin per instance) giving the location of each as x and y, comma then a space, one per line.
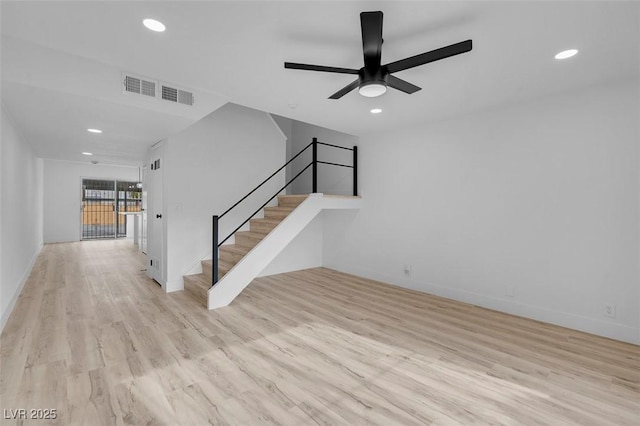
62, 63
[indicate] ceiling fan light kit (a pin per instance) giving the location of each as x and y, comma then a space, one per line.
372, 90
374, 78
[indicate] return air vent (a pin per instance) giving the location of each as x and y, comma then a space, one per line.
185, 97
180, 96
139, 86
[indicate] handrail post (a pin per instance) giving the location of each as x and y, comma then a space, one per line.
214, 252
355, 171
314, 167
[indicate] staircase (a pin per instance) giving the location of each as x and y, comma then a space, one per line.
238, 264
198, 285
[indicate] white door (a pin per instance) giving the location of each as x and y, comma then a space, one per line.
155, 219
143, 228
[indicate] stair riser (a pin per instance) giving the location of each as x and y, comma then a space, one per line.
222, 272
245, 241
194, 285
284, 201
231, 257
206, 269
289, 203
262, 227
275, 214
223, 268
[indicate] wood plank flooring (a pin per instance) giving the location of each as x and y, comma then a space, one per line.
93, 338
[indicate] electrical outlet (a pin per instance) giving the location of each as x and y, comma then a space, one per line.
610, 310
408, 270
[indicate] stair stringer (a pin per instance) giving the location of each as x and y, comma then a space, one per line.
248, 268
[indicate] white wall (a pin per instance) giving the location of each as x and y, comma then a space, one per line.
304, 252
208, 167
539, 199
331, 179
286, 126
63, 191
21, 217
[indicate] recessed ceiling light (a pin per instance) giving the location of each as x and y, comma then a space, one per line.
376, 111
87, 153
94, 130
566, 54
154, 25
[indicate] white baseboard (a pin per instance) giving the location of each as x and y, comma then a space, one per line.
591, 325
12, 303
174, 285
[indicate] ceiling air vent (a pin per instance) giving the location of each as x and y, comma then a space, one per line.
133, 83
180, 96
185, 97
139, 86
169, 94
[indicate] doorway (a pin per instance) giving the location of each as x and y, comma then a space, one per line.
102, 201
154, 180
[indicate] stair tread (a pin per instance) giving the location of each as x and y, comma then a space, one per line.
248, 239
278, 212
295, 198
262, 232
222, 263
234, 248
209, 262
264, 226
251, 234
224, 267
268, 220
280, 208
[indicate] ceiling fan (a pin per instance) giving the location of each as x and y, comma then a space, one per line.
374, 77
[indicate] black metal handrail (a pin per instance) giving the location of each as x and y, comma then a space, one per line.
334, 164
265, 181
262, 206
334, 146
314, 188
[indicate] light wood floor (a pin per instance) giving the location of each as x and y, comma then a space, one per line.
93, 338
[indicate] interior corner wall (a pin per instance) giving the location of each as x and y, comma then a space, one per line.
62, 195
21, 218
208, 167
286, 125
331, 179
531, 210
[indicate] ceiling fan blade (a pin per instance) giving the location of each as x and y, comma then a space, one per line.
434, 55
371, 23
346, 89
403, 86
307, 67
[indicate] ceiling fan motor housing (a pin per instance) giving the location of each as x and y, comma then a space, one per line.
377, 76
